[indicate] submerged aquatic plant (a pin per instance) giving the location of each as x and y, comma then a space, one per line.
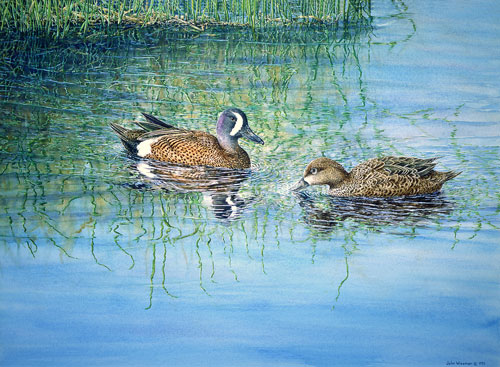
58, 17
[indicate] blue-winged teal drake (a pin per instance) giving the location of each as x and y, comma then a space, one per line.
377, 177
164, 142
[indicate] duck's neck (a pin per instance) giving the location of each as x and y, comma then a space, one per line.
338, 177
228, 143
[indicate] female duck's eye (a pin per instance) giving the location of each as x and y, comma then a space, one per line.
314, 171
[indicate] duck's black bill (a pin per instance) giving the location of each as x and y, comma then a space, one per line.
250, 135
302, 184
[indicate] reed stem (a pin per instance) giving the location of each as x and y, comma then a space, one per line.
57, 17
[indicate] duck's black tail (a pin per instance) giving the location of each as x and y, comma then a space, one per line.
451, 174
127, 137
132, 138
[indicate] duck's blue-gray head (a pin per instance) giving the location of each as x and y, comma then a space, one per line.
232, 125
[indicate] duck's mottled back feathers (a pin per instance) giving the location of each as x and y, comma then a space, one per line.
377, 177
408, 165
170, 132
393, 176
195, 148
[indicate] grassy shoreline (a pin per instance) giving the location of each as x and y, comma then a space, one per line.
57, 18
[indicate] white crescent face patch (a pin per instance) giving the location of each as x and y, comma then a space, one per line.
238, 125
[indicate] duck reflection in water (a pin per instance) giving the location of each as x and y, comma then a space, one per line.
219, 186
325, 212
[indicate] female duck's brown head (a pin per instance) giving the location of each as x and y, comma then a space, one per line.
322, 171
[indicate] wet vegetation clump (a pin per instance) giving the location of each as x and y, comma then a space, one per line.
57, 18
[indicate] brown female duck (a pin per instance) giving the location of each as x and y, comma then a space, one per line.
377, 177
164, 142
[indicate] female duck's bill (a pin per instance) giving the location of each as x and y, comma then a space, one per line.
300, 185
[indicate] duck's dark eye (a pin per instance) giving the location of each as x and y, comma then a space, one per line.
233, 118
314, 171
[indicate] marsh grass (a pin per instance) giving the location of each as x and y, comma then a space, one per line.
58, 17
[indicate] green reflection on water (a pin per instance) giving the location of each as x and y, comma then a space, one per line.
66, 181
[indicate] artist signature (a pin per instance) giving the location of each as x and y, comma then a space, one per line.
460, 363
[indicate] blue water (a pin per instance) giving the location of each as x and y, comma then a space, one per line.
104, 264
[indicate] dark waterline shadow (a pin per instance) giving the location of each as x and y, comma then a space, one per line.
324, 213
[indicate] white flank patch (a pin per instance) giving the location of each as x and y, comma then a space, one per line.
207, 200
238, 125
144, 148
146, 170
234, 208
230, 202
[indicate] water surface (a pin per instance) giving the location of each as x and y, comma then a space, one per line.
106, 260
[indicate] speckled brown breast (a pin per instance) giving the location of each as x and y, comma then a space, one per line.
197, 148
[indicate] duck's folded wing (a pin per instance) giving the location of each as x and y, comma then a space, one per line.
154, 123
174, 132
184, 142
154, 134
407, 166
